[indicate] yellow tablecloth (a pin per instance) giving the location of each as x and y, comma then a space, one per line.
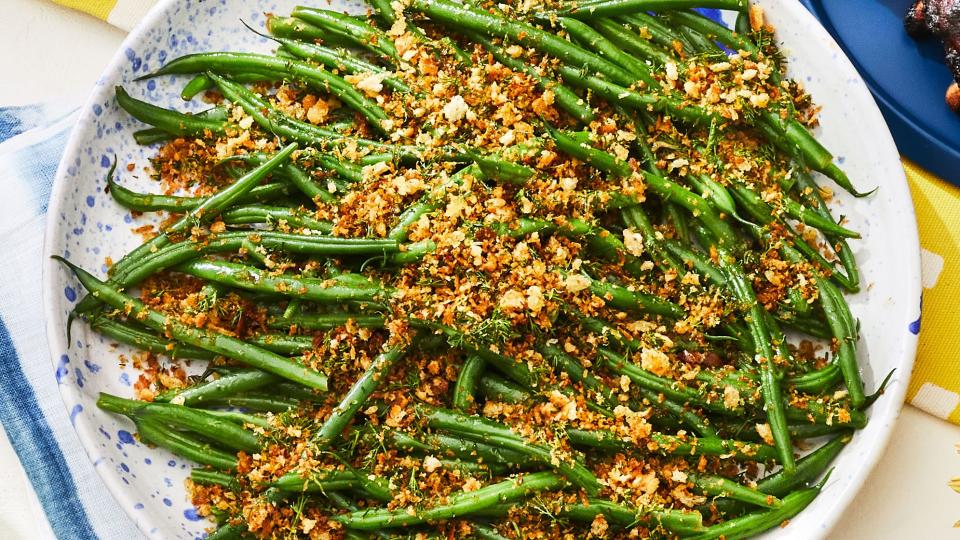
935, 384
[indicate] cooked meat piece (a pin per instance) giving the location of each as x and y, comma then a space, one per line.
941, 19
916, 20
953, 97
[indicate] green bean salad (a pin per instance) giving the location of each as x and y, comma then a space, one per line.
490, 270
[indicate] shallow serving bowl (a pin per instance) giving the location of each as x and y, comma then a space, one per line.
86, 226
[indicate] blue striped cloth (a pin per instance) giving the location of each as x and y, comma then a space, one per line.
76, 502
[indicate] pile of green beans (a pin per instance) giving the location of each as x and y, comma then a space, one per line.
270, 241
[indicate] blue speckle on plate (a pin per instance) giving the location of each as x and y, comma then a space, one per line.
167, 502
77, 409
192, 515
97, 110
70, 293
91, 201
62, 370
104, 161
125, 437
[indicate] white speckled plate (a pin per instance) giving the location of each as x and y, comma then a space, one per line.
86, 226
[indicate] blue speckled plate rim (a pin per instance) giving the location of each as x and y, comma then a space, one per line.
914, 140
56, 336
146, 521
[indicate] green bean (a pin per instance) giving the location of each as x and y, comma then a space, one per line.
485, 532
334, 59
677, 521
844, 332
154, 432
816, 382
259, 213
206, 210
129, 335
764, 213
624, 299
292, 28
213, 478
226, 385
517, 371
241, 418
811, 192
143, 202
201, 422
659, 32
584, 152
495, 388
617, 94
316, 77
283, 343
595, 41
590, 9
464, 391
253, 279
358, 394
501, 170
712, 30
173, 122
809, 468
315, 482
345, 27
459, 504
465, 16
661, 385
154, 135
212, 341
482, 430
307, 186
467, 450
174, 254
719, 486
769, 379
757, 522
635, 218
631, 43
328, 321
568, 364
428, 203
673, 445
255, 402
797, 140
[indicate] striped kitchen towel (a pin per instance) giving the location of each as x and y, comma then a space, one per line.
123, 14
76, 502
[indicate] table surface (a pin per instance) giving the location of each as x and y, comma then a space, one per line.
50, 53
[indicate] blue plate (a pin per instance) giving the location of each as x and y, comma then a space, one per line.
907, 77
